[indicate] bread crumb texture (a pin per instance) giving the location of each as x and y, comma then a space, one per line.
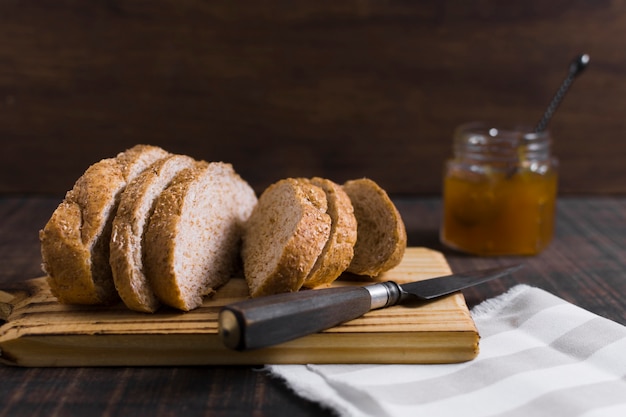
284, 236
129, 225
307, 232
339, 248
75, 241
192, 242
381, 234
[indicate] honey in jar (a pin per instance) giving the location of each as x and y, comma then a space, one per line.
499, 191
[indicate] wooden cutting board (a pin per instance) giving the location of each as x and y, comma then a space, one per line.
38, 331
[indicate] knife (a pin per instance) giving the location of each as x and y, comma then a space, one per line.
269, 320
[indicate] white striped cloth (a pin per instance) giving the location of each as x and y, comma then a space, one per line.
539, 356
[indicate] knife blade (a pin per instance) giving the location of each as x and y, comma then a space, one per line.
270, 320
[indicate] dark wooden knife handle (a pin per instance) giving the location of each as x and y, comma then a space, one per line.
265, 321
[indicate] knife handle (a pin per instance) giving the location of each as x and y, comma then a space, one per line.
269, 320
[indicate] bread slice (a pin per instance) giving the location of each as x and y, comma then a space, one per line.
339, 249
381, 235
284, 236
193, 237
135, 208
75, 241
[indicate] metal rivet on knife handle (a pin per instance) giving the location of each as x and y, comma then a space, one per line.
384, 294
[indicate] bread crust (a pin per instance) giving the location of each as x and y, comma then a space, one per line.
381, 234
193, 237
135, 208
339, 249
284, 236
75, 241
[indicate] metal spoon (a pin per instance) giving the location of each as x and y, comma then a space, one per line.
576, 67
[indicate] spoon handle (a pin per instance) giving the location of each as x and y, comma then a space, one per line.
576, 67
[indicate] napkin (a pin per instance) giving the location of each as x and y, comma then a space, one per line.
539, 356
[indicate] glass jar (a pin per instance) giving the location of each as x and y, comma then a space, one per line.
499, 191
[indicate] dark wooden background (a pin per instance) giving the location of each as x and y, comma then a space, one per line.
289, 88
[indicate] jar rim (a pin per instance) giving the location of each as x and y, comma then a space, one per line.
518, 133
479, 141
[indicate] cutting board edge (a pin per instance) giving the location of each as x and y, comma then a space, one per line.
202, 349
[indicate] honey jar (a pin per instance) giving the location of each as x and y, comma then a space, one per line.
499, 191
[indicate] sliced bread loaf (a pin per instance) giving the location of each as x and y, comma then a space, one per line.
381, 235
75, 241
284, 236
193, 237
135, 208
339, 249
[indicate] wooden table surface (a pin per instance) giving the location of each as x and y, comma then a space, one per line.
585, 264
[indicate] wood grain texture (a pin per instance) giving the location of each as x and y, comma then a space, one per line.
304, 88
39, 331
150, 391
